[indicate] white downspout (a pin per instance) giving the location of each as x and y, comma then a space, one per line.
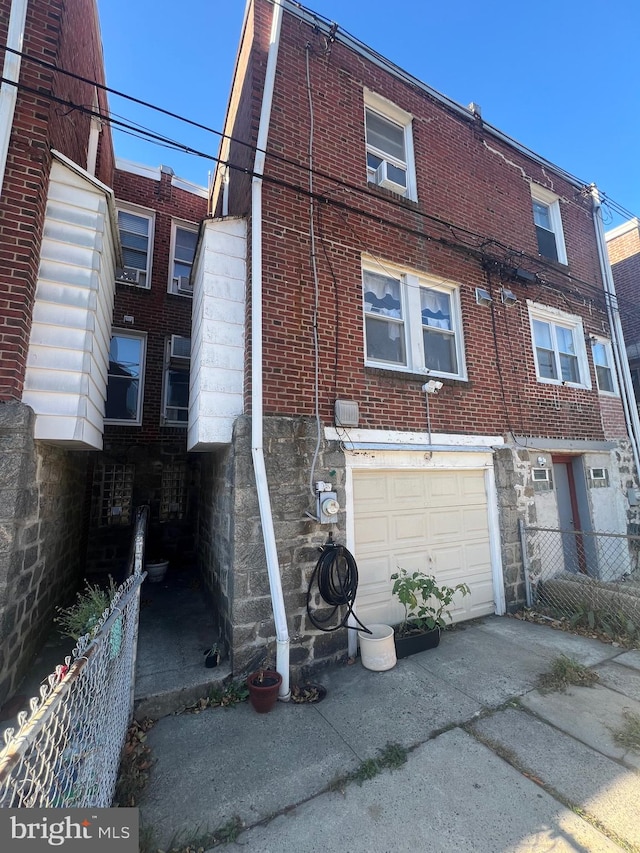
257, 449
11, 71
617, 338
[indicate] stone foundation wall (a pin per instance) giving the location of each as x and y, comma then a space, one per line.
289, 446
215, 525
42, 538
516, 500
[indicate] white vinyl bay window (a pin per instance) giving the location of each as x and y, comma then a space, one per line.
411, 322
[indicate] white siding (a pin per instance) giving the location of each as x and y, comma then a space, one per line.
217, 334
66, 376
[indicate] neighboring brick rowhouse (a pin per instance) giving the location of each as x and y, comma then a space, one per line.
64, 34
42, 511
155, 311
623, 245
149, 447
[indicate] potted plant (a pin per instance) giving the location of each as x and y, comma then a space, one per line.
212, 656
425, 605
263, 689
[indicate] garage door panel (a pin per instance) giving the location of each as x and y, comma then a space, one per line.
446, 523
474, 521
409, 528
430, 521
371, 491
372, 532
442, 485
472, 486
407, 489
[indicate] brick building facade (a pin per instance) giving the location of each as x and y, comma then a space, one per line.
144, 460
623, 245
394, 238
46, 145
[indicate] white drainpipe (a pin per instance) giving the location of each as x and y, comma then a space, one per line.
10, 71
257, 448
617, 338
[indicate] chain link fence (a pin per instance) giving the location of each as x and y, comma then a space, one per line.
586, 577
66, 750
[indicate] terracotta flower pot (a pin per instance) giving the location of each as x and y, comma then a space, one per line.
263, 689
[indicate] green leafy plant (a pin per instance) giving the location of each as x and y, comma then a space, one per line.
616, 625
425, 601
83, 616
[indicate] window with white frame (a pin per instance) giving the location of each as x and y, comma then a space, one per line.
183, 247
603, 362
389, 140
175, 409
559, 348
548, 224
136, 238
411, 322
125, 382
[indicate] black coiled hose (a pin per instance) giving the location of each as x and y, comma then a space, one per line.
336, 576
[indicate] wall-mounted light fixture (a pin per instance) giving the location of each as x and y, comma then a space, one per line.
432, 386
542, 461
508, 296
483, 297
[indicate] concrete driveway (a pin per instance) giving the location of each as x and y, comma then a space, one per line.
493, 764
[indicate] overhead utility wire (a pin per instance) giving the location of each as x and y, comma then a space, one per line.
478, 253
604, 199
339, 33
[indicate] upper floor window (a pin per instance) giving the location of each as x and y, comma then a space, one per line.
548, 223
183, 247
603, 361
558, 341
412, 323
390, 161
136, 238
126, 373
175, 407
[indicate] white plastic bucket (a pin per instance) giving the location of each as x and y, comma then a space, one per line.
378, 649
156, 570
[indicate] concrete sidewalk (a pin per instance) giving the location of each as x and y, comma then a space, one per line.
484, 773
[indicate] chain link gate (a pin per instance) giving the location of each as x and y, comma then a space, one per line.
66, 751
586, 577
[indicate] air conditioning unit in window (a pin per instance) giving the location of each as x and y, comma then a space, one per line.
183, 285
389, 177
128, 275
180, 347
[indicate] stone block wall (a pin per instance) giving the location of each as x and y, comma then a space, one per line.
515, 501
233, 553
42, 538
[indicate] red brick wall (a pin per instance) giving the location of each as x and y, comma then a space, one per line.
155, 311
466, 177
624, 255
65, 33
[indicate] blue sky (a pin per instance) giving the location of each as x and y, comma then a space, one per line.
560, 76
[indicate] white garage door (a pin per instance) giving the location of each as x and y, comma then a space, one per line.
430, 521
